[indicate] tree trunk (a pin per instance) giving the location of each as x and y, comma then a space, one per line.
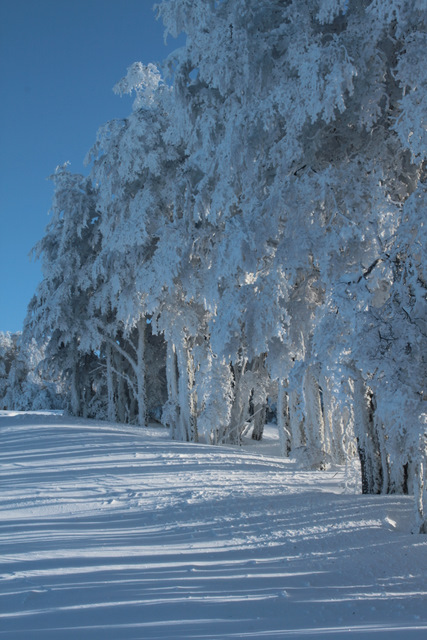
296, 420
384, 457
259, 395
399, 477
111, 409
283, 420
170, 417
314, 423
240, 407
75, 390
121, 399
336, 425
260, 410
420, 490
367, 440
186, 394
140, 373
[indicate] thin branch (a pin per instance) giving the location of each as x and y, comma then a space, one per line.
122, 352
125, 377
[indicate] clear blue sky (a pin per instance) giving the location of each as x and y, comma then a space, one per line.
59, 60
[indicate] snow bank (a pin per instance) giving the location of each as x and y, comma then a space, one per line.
114, 532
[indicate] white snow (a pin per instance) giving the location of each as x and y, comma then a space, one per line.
114, 532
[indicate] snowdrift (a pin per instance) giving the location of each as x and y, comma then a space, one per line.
114, 532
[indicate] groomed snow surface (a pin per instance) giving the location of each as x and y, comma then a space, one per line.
114, 532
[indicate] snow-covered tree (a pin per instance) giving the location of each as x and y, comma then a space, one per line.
264, 217
22, 387
57, 315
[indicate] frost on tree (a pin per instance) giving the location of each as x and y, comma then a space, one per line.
23, 386
264, 211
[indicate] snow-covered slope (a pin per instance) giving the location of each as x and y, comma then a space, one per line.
114, 532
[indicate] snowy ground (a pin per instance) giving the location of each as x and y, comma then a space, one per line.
112, 532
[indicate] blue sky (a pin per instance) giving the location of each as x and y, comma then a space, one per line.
59, 60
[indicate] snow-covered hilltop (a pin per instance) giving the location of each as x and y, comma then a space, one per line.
112, 532
252, 237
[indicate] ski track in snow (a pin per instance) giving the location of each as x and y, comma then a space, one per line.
113, 532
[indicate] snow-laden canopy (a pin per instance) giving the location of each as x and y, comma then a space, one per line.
255, 230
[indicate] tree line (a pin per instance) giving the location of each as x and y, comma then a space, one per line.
253, 235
